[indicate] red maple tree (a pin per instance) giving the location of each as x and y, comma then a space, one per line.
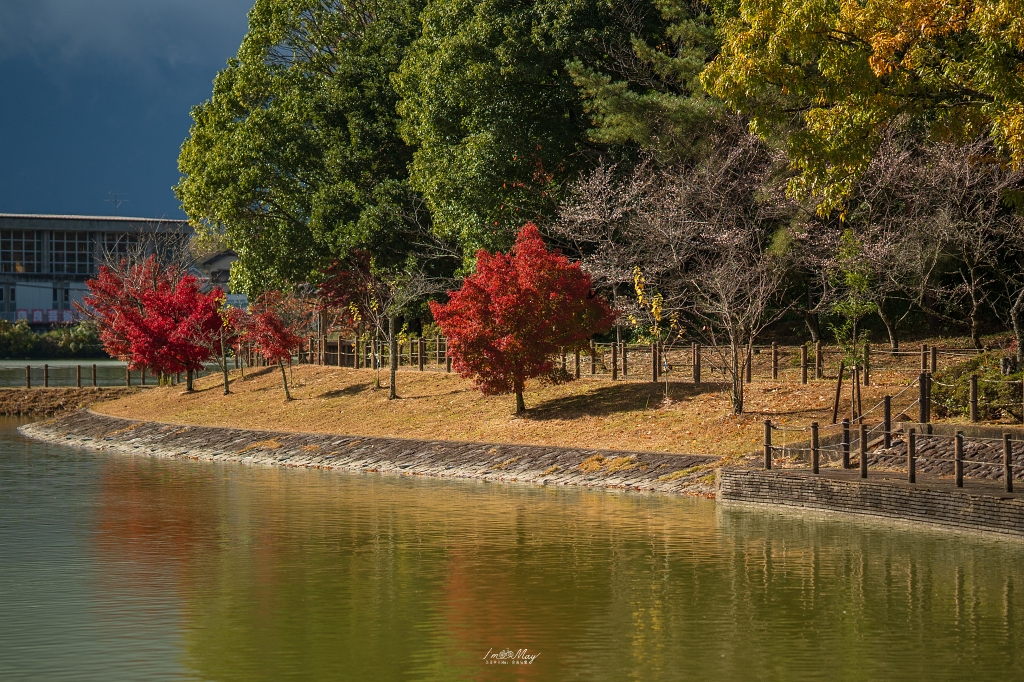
154, 317
272, 329
516, 311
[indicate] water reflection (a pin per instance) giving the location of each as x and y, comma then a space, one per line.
270, 575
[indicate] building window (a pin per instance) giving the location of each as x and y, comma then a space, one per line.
19, 251
118, 245
70, 253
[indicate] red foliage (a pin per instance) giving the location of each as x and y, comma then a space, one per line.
154, 317
347, 290
269, 331
516, 311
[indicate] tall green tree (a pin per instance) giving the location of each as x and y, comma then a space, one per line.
835, 74
649, 93
489, 103
296, 158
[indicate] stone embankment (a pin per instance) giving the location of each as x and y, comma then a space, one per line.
983, 451
641, 471
979, 506
23, 402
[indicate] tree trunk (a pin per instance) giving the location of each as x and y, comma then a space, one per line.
224, 363
520, 403
393, 343
1017, 320
188, 381
811, 320
737, 381
284, 378
890, 327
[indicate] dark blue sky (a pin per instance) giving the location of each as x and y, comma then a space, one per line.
95, 98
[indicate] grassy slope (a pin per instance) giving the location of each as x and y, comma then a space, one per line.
589, 412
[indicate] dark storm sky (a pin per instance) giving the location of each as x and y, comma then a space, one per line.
95, 98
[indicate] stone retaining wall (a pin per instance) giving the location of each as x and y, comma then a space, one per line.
689, 474
993, 513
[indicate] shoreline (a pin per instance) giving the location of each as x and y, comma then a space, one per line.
46, 402
640, 471
728, 480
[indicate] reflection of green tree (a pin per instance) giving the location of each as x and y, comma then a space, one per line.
311, 577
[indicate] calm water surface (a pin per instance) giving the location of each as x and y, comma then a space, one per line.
116, 568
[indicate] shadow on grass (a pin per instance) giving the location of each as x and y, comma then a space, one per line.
615, 398
352, 390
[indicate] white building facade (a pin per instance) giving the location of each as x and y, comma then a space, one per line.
46, 259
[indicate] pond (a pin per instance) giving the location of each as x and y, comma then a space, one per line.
121, 568
64, 373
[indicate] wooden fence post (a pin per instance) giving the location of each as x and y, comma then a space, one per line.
803, 364
767, 443
846, 443
593, 358
28, 376
819, 361
78, 376
421, 354
928, 398
912, 456
577, 358
775, 360
863, 450
46, 376
696, 364
887, 422
958, 458
974, 397
1008, 462
867, 364
922, 398
94, 376
615, 360
815, 449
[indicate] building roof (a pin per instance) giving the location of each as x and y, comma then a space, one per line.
88, 222
219, 260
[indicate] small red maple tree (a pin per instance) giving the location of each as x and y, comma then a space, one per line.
516, 311
272, 328
154, 317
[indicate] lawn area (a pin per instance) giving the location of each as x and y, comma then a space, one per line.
597, 413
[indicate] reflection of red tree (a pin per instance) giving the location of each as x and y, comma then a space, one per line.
151, 523
483, 610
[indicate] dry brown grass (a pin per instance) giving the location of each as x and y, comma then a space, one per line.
593, 413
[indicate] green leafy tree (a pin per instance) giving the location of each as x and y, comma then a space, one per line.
835, 74
296, 158
497, 121
649, 93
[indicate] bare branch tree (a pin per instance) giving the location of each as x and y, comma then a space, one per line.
702, 236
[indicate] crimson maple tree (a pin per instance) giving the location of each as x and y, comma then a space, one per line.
272, 331
154, 317
516, 311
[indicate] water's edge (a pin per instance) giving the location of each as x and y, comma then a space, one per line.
639, 471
